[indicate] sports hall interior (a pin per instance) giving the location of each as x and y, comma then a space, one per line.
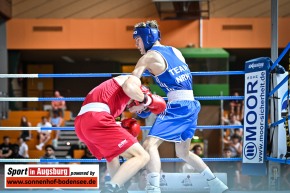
95, 36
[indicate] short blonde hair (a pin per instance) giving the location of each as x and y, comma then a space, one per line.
152, 24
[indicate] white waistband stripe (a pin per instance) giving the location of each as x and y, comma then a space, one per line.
97, 107
178, 95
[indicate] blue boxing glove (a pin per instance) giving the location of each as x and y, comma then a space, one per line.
144, 114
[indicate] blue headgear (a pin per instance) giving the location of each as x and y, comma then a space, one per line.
148, 35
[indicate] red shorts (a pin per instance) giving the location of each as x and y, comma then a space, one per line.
102, 135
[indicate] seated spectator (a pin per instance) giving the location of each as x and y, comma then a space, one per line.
56, 121
23, 148
43, 136
59, 105
140, 181
79, 146
26, 134
6, 148
197, 149
237, 107
235, 146
87, 155
232, 120
49, 154
15, 152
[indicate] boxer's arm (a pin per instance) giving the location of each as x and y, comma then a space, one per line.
155, 103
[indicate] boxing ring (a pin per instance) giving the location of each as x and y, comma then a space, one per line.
246, 153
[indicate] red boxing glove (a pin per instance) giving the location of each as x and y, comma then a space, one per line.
132, 126
158, 104
155, 103
145, 91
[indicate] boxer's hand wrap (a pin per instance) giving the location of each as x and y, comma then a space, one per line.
132, 126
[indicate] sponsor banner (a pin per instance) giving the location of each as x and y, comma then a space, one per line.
255, 110
51, 176
186, 182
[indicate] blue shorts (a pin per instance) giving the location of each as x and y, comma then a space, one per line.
178, 122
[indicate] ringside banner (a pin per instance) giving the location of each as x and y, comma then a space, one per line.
255, 110
51, 176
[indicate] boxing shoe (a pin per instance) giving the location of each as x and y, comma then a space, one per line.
152, 189
217, 186
110, 189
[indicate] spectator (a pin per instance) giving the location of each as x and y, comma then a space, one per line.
49, 154
43, 136
15, 152
88, 155
140, 180
79, 146
59, 105
231, 121
26, 134
56, 121
237, 107
23, 148
6, 148
197, 149
235, 146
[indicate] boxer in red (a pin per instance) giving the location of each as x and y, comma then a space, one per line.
95, 125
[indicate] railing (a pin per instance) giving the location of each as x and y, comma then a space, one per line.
3, 106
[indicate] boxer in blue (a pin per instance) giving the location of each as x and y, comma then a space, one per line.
178, 122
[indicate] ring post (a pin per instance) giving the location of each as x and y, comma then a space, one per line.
256, 116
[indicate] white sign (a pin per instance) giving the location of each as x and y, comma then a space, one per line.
255, 116
51, 176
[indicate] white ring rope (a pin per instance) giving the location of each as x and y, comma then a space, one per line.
20, 128
19, 99
18, 75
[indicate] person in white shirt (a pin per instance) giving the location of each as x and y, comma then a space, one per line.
43, 136
23, 148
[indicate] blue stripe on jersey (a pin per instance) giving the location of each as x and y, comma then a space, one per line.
177, 76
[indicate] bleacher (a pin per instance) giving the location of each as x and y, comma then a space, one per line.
33, 117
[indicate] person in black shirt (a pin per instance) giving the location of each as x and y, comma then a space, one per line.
6, 148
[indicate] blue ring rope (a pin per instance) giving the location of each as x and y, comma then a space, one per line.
280, 57
283, 161
109, 75
279, 121
279, 85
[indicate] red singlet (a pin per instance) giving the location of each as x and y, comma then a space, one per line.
99, 130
